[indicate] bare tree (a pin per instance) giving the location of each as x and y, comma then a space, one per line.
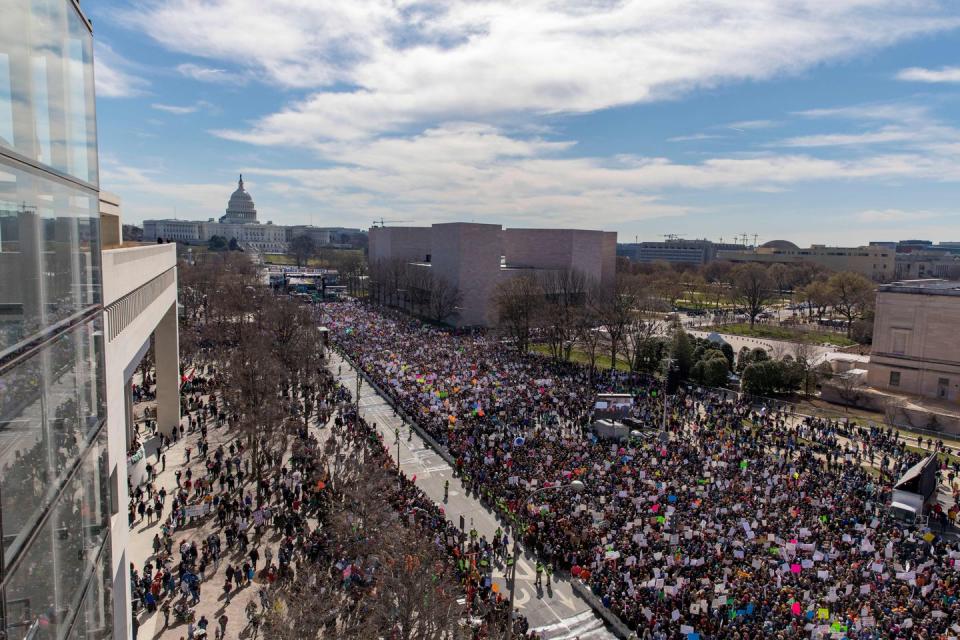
382, 579
852, 296
518, 301
848, 388
804, 355
816, 297
587, 332
303, 248
781, 276
417, 286
893, 410
669, 285
615, 310
445, 299
566, 292
751, 288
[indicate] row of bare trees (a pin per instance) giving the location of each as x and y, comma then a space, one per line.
266, 353
265, 349
394, 583
414, 288
752, 287
565, 308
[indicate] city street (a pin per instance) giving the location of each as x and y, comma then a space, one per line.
557, 613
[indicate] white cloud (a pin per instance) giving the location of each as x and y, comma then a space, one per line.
210, 74
919, 74
894, 215
907, 125
380, 66
114, 75
695, 137
174, 109
150, 193
471, 171
884, 135
753, 124
182, 110
891, 111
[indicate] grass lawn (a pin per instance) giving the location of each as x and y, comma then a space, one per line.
581, 357
278, 258
784, 333
320, 261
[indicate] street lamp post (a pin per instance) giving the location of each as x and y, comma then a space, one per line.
577, 486
358, 393
664, 434
396, 432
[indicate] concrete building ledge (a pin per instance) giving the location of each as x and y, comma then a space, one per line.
128, 268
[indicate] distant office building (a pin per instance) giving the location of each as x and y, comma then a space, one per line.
920, 259
474, 258
921, 264
676, 251
875, 262
77, 311
909, 246
915, 347
328, 236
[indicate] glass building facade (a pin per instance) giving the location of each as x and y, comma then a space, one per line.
55, 489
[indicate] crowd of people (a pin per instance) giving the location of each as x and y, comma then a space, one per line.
746, 523
265, 531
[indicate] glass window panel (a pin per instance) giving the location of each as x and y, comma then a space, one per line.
41, 110
6, 103
46, 86
44, 594
50, 268
49, 405
95, 618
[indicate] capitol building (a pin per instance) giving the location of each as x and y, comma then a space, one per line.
238, 223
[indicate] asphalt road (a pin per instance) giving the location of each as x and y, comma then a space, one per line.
556, 613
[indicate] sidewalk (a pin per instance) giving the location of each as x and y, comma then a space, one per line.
140, 548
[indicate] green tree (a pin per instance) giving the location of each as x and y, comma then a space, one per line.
650, 353
682, 351
769, 377
715, 371
748, 356
727, 350
217, 243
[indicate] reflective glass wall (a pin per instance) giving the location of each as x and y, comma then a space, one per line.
55, 504
46, 86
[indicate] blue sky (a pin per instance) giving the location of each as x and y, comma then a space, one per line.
826, 121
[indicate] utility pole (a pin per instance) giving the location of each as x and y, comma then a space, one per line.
358, 394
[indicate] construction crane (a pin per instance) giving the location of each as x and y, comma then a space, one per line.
383, 222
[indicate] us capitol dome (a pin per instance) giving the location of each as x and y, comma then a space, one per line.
240, 208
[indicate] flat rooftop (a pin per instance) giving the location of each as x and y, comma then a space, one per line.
928, 287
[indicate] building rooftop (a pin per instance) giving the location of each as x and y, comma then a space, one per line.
928, 287
779, 244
